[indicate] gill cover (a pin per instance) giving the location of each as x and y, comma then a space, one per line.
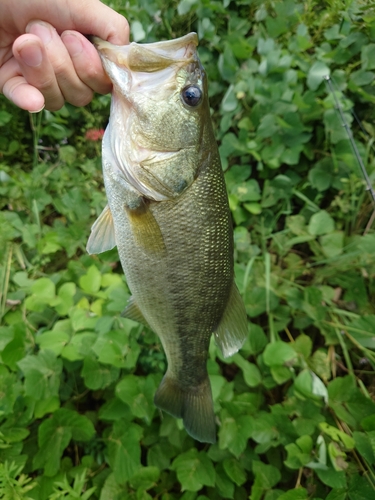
153, 137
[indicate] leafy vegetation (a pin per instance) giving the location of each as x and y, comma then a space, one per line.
295, 408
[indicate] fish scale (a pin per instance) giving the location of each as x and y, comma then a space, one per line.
169, 217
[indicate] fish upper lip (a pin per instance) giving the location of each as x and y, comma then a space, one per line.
149, 56
163, 46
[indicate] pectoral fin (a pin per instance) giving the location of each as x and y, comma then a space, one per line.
232, 330
133, 312
146, 230
102, 237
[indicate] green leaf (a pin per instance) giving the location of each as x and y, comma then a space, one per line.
339, 494
44, 406
227, 63
257, 339
234, 471
332, 244
43, 293
299, 453
264, 428
145, 478
295, 494
223, 484
5, 118
160, 454
320, 177
367, 56
266, 476
194, 470
341, 389
114, 409
113, 490
247, 191
138, 33
229, 102
279, 353
138, 394
53, 341
360, 488
10, 390
321, 223
337, 435
303, 345
112, 348
98, 376
362, 77
6, 336
54, 435
124, 450
81, 319
364, 446
65, 298
91, 281
184, 6
234, 432
42, 374
251, 373
316, 75
15, 434
332, 478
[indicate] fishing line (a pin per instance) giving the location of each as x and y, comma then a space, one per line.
354, 114
345, 124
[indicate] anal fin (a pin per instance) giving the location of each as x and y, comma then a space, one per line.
133, 312
232, 331
102, 237
194, 405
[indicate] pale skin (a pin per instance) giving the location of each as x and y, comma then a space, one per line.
44, 58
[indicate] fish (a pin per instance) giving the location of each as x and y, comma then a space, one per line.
169, 217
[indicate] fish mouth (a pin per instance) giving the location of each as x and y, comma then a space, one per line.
149, 57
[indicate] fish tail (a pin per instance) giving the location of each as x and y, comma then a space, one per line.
194, 405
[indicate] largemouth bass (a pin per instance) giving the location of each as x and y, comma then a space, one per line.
168, 215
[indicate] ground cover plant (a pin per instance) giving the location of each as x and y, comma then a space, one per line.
295, 408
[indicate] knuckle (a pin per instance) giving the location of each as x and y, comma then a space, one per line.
59, 67
44, 85
90, 72
54, 105
81, 99
125, 26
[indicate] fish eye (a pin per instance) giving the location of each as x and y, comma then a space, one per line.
191, 95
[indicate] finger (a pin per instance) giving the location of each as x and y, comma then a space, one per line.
73, 89
86, 62
15, 88
37, 70
101, 21
90, 17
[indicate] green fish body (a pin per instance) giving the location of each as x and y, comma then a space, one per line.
168, 215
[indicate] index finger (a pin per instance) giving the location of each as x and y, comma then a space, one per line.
101, 21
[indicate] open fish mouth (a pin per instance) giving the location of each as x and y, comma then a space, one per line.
149, 57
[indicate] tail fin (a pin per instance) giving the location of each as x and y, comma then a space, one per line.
194, 405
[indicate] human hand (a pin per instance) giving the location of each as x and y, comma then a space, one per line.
44, 58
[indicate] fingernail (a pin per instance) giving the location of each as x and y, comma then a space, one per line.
31, 54
38, 111
72, 43
40, 29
